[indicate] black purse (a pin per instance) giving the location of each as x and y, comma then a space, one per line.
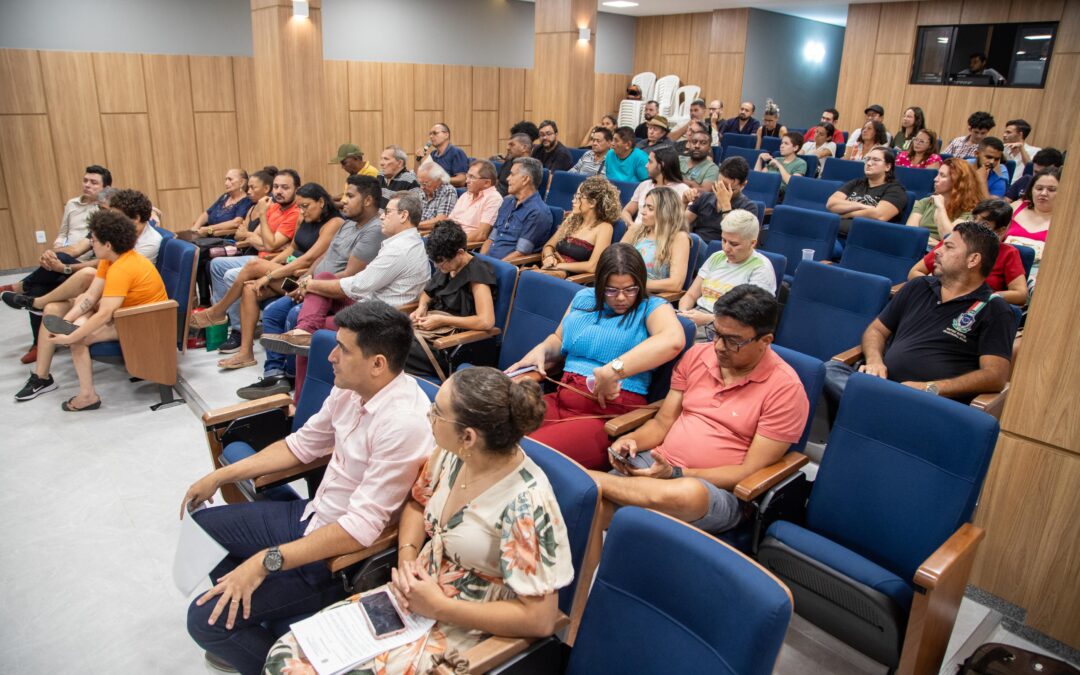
995, 658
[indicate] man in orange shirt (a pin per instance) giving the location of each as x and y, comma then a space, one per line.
124, 279
734, 407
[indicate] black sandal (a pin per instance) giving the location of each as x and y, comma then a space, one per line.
68, 407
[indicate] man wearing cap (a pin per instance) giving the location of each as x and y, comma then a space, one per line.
657, 135
874, 113
652, 109
744, 122
351, 159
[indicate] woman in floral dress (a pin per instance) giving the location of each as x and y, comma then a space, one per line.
482, 547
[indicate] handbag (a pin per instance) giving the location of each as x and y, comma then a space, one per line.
435, 333
995, 658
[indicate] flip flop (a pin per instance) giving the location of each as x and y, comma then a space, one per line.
67, 405
203, 320
56, 324
225, 364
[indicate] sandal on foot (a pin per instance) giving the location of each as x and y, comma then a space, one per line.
232, 364
204, 320
70, 407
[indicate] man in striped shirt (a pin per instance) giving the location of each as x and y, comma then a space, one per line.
592, 162
394, 176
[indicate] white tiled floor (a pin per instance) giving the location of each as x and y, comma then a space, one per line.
91, 523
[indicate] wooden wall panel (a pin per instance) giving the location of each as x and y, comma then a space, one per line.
9, 254
648, 42
675, 64
365, 85
728, 29
939, 12
366, 130
73, 115
172, 127
511, 100
528, 90
675, 34
336, 76
3, 189
428, 86
697, 70
1010, 104
423, 120
457, 101
485, 133
218, 149
932, 99
129, 153
725, 79
896, 28
890, 78
1068, 34
984, 11
485, 89
857, 62
212, 84
252, 154
1060, 97
608, 90
180, 208
398, 106
120, 84
36, 200
20, 72
1036, 10
961, 102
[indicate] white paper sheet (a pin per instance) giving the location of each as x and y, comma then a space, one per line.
336, 640
196, 554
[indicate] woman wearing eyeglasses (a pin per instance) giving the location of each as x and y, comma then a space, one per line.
615, 334
877, 195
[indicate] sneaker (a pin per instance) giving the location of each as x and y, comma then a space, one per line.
17, 300
287, 343
267, 386
35, 386
219, 664
30, 356
231, 344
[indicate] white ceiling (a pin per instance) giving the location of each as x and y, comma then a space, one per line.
827, 12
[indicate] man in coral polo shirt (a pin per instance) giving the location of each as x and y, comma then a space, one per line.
734, 407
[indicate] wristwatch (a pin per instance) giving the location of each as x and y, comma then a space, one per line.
933, 388
676, 472
67, 269
617, 366
273, 561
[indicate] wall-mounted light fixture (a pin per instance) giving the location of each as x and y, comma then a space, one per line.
584, 34
300, 8
813, 51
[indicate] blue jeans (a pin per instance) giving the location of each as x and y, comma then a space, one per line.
223, 272
244, 530
837, 375
278, 317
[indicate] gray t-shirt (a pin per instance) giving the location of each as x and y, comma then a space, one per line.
359, 241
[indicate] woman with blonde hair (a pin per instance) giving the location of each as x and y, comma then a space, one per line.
587, 231
956, 192
662, 240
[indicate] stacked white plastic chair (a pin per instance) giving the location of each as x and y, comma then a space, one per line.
664, 94
645, 82
631, 113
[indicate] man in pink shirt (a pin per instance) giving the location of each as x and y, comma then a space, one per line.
734, 407
477, 208
374, 426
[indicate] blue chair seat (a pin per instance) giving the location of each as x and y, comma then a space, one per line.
106, 350
238, 450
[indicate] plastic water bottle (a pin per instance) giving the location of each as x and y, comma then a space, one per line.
590, 384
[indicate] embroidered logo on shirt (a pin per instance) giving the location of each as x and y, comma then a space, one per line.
963, 323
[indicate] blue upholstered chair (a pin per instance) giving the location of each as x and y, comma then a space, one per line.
792, 229
883, 557
626, 191
563, 186
538, 308
746, 152
739, 141
918, 181
1027, 257
770, 144
763, 186
809, 193
829, 308
693, 264
812, 162
886, 249
577, 153
843, 169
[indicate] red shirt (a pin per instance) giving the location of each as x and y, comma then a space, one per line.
1007, 267
837, 137
283, 221
718, 422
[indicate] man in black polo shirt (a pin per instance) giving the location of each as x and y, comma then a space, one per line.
945, 334
708, 207
551, 152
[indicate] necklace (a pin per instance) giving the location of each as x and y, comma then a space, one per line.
465, 483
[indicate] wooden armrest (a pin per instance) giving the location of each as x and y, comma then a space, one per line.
233, 412
768, 210
464, 337
533, 375
671, 296
896, 288
474, 245
991, 403
627, 422
761, 481
384, 541
585, 278
409, 307
496, 650
935, 569
143, 309
849, 356
825, 262
519, 259
292, 472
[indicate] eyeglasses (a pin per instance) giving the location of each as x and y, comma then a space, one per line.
629, 291
469, 176
874, 160
732, 343
434, 414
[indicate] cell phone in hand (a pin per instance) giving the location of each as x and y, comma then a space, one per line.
635, 462
288, 284
521, 371
382, 613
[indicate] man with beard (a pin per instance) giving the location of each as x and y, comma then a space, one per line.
744, 123
652, 109
519, 145
698, 168
552, 154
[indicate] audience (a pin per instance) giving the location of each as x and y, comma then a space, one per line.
260, 185
821, 146
1043, 159
706, 211
770, 124
351, 159
519, 145
697, 114
73, 224
1016, 145
945, 334
920, 153
715, 118
524, 220
478, 207
553, 155
437, 195
585, 233
956, 192
979, 126
664, 169
988, 168
625, 162
123, 279
744, 123
877, 195
651, 110
372, 425
912, 122
788, 164
874, 113
450, 157
697, 166
737, 263
661, 239
608, 122
1032, 213
612, 337
872, 135
1007, 279
829, 116
226, 214
394, 176
696, 449
657, 135
592, 162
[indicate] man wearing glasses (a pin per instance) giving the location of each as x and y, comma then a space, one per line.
478, 207
734, 407
450, 157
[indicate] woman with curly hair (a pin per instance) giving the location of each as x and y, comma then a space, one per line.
577, 244
662, 240
956, 192
872, 135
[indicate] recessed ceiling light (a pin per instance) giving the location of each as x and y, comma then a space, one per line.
943, 40
1038, 37
620, 4
1021, 53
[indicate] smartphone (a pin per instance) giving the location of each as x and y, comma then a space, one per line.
635, 462
382, 613
288, 284
521, 371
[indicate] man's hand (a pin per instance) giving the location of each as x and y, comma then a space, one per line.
51, 262
690, 196
623, 447
60, 339
723, 195
875, 369
659, 469
766, 158
235, 589
200, 491
699, 317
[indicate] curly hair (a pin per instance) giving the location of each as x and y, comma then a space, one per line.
445, 240
965, 187
112, 227
132, 203
601, 192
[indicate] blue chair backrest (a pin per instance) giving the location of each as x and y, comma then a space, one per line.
841, 148
812, 162
563, 186
907, 207
731, 619
763, 186
539, 305
811, 373
618, 231
843, 169
1027, 257
760, 214
461, 191
693, 263
577, 153
770, 143
809, 193
626, 191
747, 153
319, 379
739, 140
505, 281
792, 229
498, 166
556, 220
165, 234
884, 248
1010, 168
893, 490
918, 181
801, 132
661, 379
828, 309
778, 261
176, 264
578, 497
430, 388
718, 153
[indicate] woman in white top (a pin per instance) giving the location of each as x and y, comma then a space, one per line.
822, 146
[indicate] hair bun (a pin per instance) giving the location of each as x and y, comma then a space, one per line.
527, 406
270, 169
